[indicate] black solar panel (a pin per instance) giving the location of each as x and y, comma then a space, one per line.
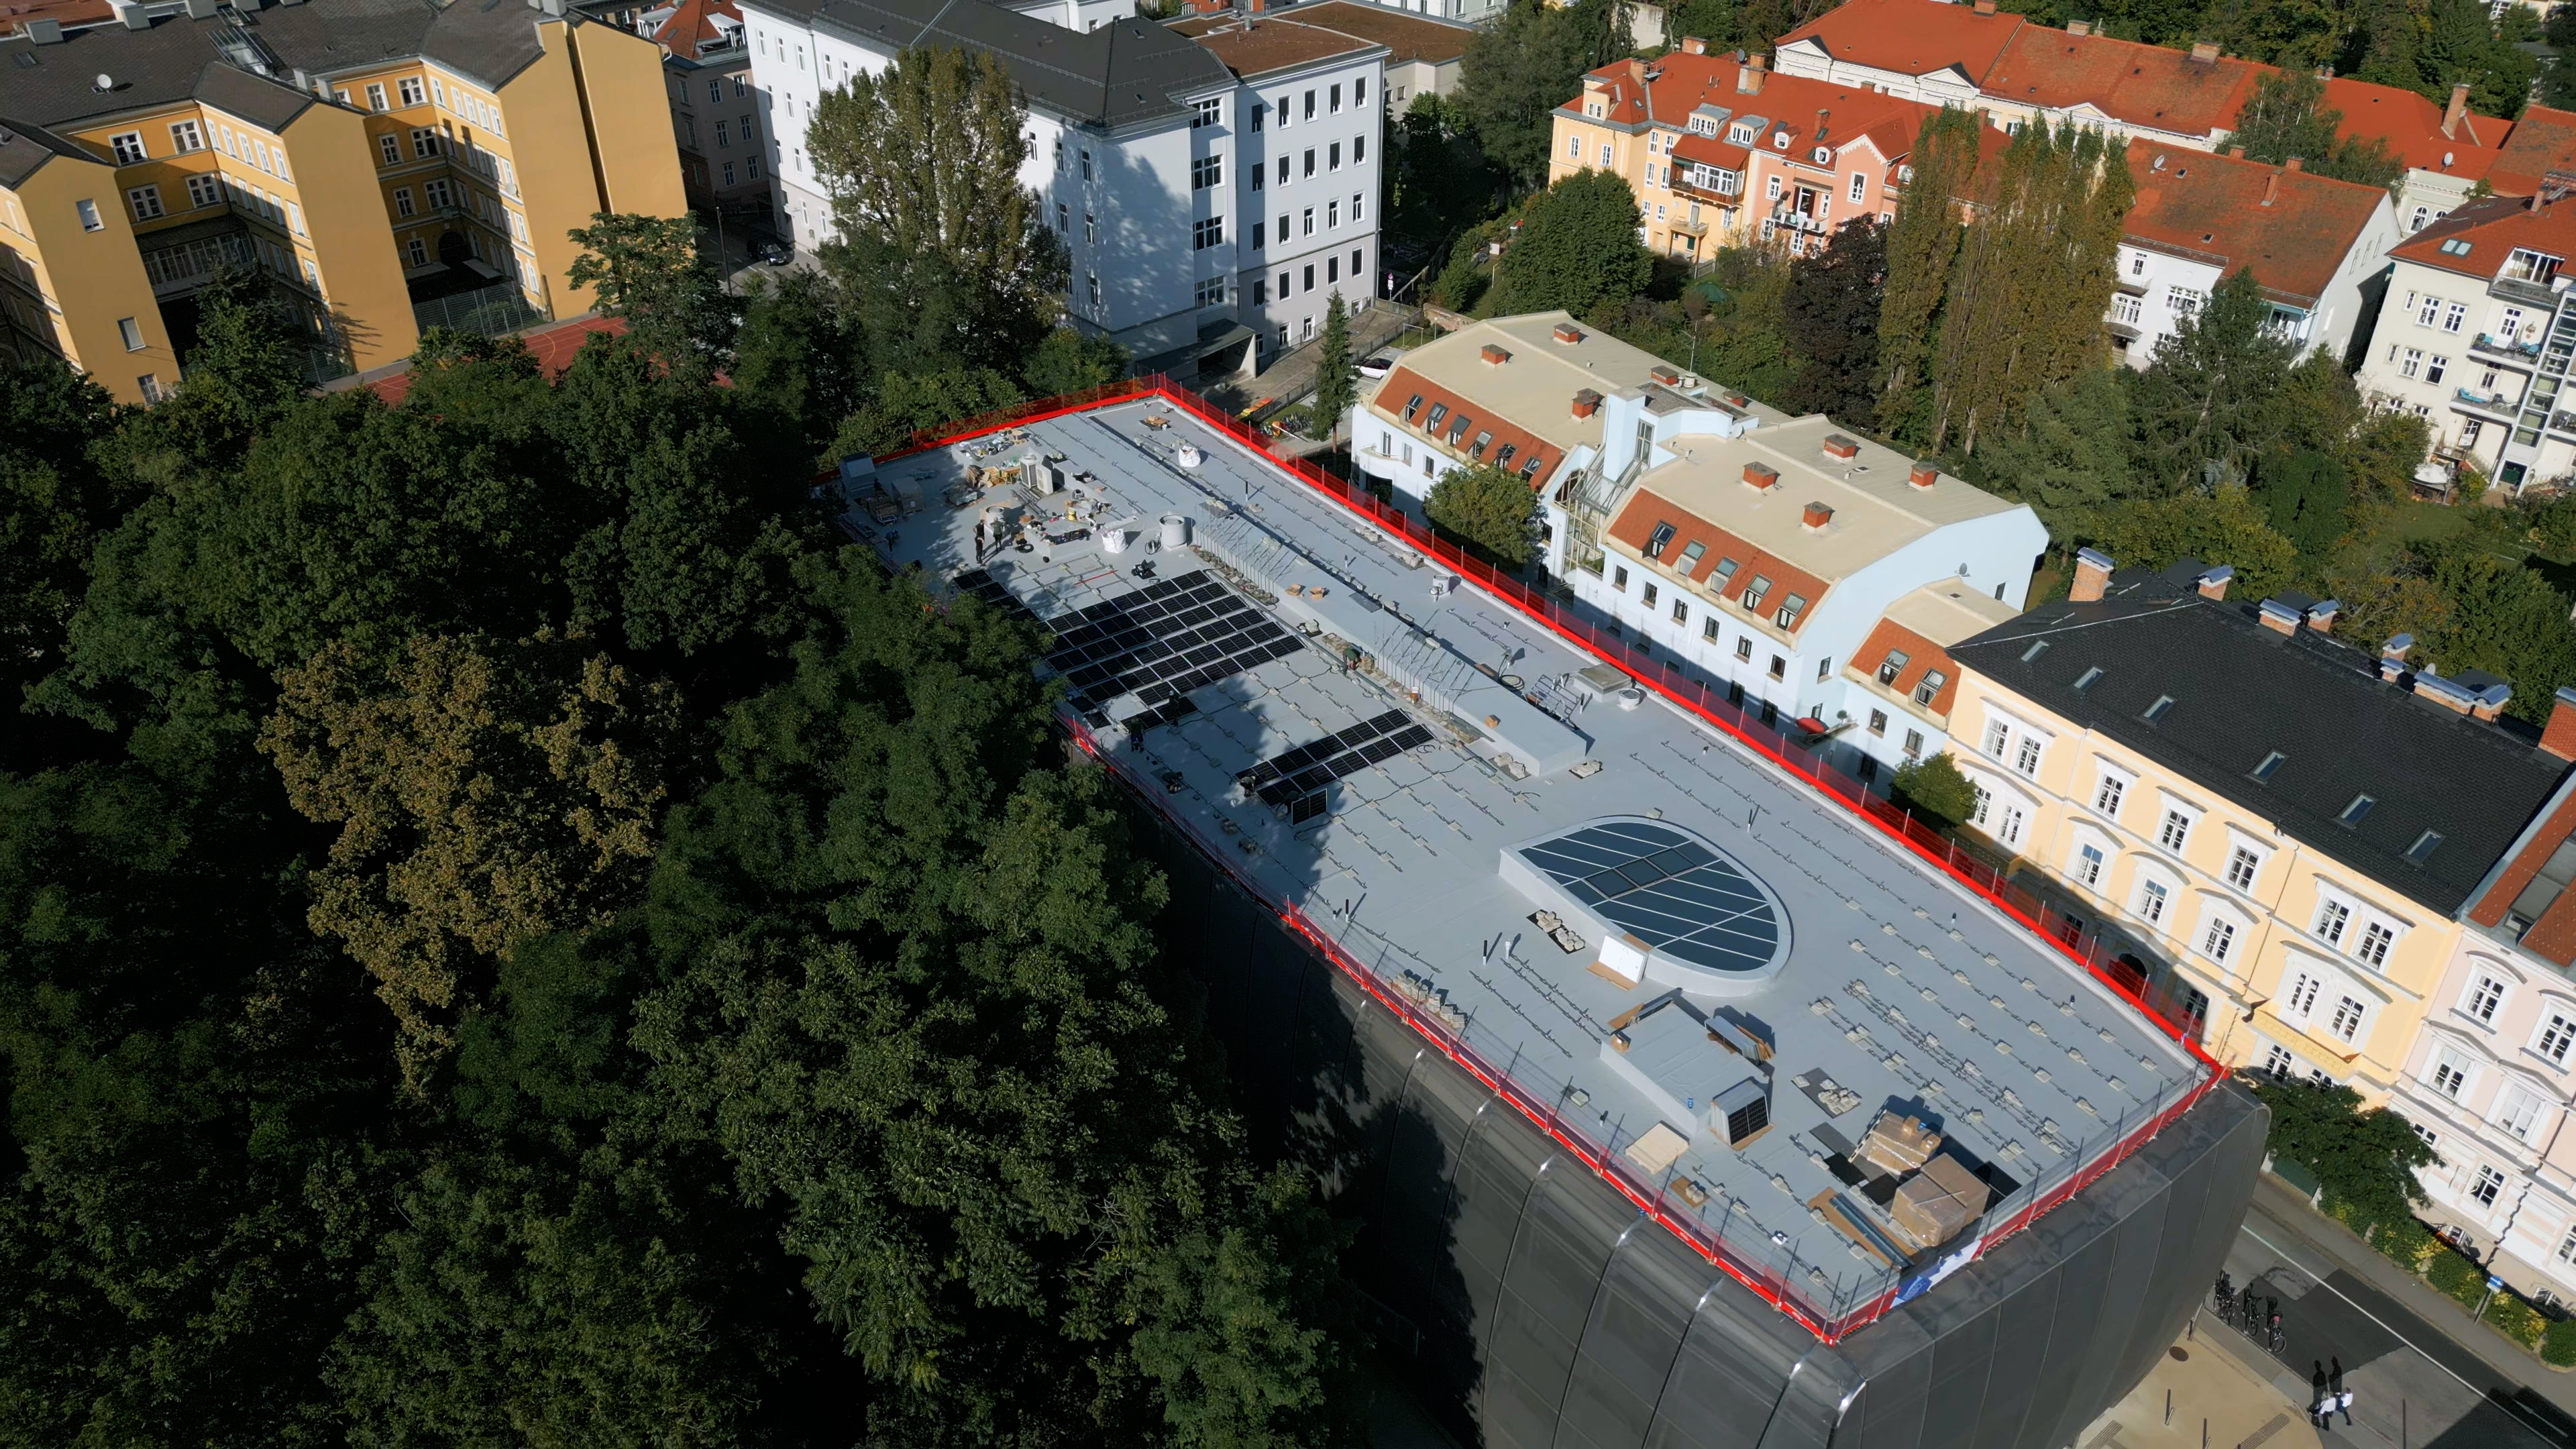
1413, 738
1377, 750
1670, 891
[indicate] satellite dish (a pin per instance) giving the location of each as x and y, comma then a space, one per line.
105, 82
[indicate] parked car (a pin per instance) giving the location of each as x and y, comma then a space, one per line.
777, 254
1378, 366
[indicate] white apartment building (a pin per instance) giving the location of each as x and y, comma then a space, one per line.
2474, 337
1212, 191
2313, 244
1791, 569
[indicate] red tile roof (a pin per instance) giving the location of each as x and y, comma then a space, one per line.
14, 14
2544, 140
1921, 657
2411, 127
1911, 37
2214, 206
1799, 105
692, 25
1400, 388
553, 347
1636, 525
2492, 229
2143, 85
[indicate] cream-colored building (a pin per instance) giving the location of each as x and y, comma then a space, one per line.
387, 168
2281, 830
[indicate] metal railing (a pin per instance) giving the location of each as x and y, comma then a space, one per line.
485, 311
1827, 1306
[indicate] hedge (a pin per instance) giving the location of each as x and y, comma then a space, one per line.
2558, 1343
2515, 1319
2456, 1277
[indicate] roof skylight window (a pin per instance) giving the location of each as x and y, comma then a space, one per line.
2031, 654
2156, 711
2423, 848
2359, 808
2087, 679
2270, 763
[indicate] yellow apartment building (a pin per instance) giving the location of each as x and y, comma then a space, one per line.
2281, 828
388, 164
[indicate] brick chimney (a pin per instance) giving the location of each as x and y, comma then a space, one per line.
2092, 575
1924, 474
2295, 163
2492, 703
2455, 111
1693, 45
1817, 516
1762, 476
1665, 375
1586, 403
1567, 332
2079, 27
2559, 737
2321, 616
2276, 616
2213, 584
2271, 188
1838, 446
1748, 77
2235, 153
2392, 656
1985, 7
1495, 356
2206, 53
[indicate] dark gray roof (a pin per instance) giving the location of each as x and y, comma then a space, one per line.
2241, 691
490, 40
256, 99
1127, 71
23, 148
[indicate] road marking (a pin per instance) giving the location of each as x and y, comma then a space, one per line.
2534, 1425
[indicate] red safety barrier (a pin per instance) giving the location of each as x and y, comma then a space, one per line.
1771, 1283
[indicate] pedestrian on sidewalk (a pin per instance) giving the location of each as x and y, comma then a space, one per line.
2320, 1399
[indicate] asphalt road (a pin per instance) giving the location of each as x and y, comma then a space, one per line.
2414, 1383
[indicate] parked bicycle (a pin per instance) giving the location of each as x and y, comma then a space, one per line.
2276, 1339
2222, 1300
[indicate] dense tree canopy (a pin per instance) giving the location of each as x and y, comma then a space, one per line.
1577, 248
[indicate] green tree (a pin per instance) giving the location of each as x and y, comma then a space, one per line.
2287, 117
1935, 789
485, 793
1830, 313
937, 237
1070, 360
650, 271
1577, 249
1488, 508
1921, 246
55, 504
905, 404
1438, 179
1514, 73
2225, 526
1337, 373
2365, 1157
2306, 494
1003, 1157
799, 358
2204, 404
2503, 618
2071, 456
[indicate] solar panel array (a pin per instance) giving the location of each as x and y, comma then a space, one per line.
1292, 775
1174, 635
1667, 890
984, 586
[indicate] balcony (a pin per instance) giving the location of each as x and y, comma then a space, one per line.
2488, 345
1696, 226
1797, 221
2543, 293
2496, 403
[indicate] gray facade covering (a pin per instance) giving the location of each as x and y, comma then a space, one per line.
1538, 1307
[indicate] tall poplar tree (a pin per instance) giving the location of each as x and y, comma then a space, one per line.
1920, 245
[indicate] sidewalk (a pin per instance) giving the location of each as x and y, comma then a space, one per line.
1292, 375
2202, 1395
2401, 1343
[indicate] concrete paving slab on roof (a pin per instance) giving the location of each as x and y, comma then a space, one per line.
1897, 981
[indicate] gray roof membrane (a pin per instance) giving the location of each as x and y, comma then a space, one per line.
1790, 951
1127, 71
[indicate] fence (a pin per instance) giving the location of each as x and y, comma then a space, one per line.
485, 311
1828, 1308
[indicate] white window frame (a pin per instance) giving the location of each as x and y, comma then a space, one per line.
2519, 1113
2115, 782
2556, 1032
2490, 988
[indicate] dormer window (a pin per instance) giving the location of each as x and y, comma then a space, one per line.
1741, 135
1892, 666
1431, 424
1412, 407
1659, 540
1458, 428
1722, 575
1790, 608
1779, 140
1503, 454
1529, 465
1691, 554
1753, 593
1482, 441
1930, 688
2526, 265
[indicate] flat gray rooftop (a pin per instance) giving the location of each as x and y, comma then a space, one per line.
1785, 942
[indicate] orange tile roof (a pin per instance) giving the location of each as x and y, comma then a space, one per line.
690, 26
553, 347
2544, 140
1636, 524
14, 14
2213, 206
2492, 228
1911, 37
2411, 127
2144, 85
1800, 105
1921, 657
1402, 384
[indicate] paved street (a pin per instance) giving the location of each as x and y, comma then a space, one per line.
2420, 1371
